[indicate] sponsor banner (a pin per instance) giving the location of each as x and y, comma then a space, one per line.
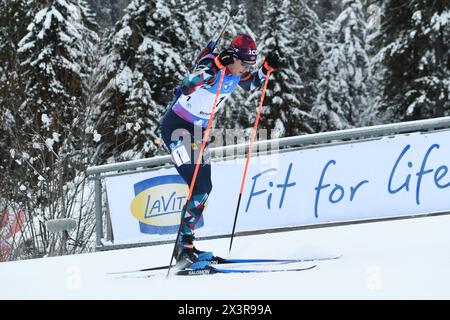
394, 176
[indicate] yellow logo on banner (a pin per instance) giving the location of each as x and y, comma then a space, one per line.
160, 205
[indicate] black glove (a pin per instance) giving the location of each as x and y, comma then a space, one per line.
226, 57
273, 60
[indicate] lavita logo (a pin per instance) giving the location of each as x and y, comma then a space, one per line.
158, 204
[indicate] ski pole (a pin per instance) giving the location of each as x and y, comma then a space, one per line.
199, 160
255, 126
212, 43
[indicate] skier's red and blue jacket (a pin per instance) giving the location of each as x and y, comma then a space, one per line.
194, 99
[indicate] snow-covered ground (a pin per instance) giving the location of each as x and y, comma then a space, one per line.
405, 259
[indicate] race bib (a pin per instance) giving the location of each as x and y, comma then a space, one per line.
180, 155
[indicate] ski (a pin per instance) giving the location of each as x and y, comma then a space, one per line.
141, 270
204, 268
219, 260
216, 260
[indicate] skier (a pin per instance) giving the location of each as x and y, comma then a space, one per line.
183, 125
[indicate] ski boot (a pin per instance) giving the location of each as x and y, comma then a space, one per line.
185, 257
187, 253
202, 255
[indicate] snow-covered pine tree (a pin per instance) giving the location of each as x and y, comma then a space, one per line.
325, 9
416, 37
88, 17
14, 18
15, 15
143, 66
309, 39
200, 25
49, 124
108, 12
373, 13
293, 31
345, 73
53, 56
254, 16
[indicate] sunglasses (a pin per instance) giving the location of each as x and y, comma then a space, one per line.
247, 64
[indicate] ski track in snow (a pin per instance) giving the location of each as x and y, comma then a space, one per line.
405, 259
